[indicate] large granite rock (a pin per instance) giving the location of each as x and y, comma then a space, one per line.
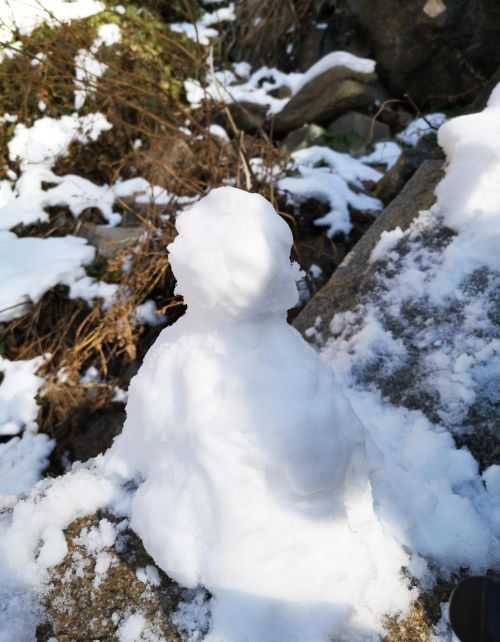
105, 579
326, 96
414, 345
438, 51
353, 276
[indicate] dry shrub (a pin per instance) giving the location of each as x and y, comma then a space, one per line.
264, 41
142, 95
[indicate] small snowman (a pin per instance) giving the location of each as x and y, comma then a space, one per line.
245, 449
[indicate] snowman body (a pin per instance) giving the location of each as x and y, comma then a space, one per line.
244, 446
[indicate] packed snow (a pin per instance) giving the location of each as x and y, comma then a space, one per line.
242, 465
262, 543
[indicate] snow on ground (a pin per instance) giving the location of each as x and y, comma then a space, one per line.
88, 69
309, 567
421, 127
31, 266
203, 30
334, 178
432, 319
22, 458
24, 16
37, 148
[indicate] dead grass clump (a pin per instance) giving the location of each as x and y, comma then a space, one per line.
265, 40
142, 95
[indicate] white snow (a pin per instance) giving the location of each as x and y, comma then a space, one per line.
24, 16
49, 138
37, 148
22, 460
88, 69
218, 131
384, 153
251, 463
429, 494
30, 266
334, 178
335, 59
420, 127
227, 86
18, 389
202, 31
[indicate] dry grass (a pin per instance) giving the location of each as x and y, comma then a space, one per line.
142, 95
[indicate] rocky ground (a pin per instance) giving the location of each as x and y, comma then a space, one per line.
345, 152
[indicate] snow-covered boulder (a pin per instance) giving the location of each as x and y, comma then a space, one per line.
336, 84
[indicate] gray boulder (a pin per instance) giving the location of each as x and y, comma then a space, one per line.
438, 51
110, 240
364, 126
301, 138
326, 96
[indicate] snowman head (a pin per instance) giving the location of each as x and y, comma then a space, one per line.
231, 257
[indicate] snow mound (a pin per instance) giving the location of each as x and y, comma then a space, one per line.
251, 464
231, 257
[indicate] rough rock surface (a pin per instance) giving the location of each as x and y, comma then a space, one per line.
250, 117
326, 96
100, 584
110, 240
352, 122
435, 50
